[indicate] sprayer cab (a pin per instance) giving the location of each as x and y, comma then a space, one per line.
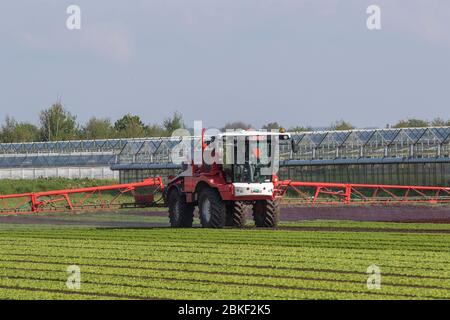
248, 156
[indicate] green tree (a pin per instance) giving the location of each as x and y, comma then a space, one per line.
341, 125
439, 122
57, 123
155, 130
271, 126
411, 123
97, 128
13, 131
130, 126
173, 123
236, 125
26, 132
299, 129
7, 130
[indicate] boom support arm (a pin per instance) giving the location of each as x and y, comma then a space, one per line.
92, 198
339, 193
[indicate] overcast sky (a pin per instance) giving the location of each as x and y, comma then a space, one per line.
298, 62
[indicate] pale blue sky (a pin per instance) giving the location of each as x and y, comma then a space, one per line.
298, 62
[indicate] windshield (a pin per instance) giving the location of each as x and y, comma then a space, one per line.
249, 173
250, 163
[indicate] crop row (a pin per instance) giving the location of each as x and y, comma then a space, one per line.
438, 260
205, 284
231, 233
206, 246
222, 264
33, 293
171, 288
262, 251
437, 245
249, 236
332, 269
345, 262
279, 275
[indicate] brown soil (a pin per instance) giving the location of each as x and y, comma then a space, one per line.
399, 213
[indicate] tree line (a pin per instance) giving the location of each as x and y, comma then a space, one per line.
57, 123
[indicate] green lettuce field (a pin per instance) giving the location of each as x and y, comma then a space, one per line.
300, 260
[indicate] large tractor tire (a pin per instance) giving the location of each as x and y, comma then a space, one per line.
235, 214
181, 214
212, 209
266, 213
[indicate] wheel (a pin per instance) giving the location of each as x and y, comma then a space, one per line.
266, 213
212, 209
181, 214
235, 214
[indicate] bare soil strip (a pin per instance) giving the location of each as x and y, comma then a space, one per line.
18, 219
386, 213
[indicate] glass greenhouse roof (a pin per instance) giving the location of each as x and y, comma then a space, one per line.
433, 142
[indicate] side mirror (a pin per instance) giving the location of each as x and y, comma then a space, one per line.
294, 146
